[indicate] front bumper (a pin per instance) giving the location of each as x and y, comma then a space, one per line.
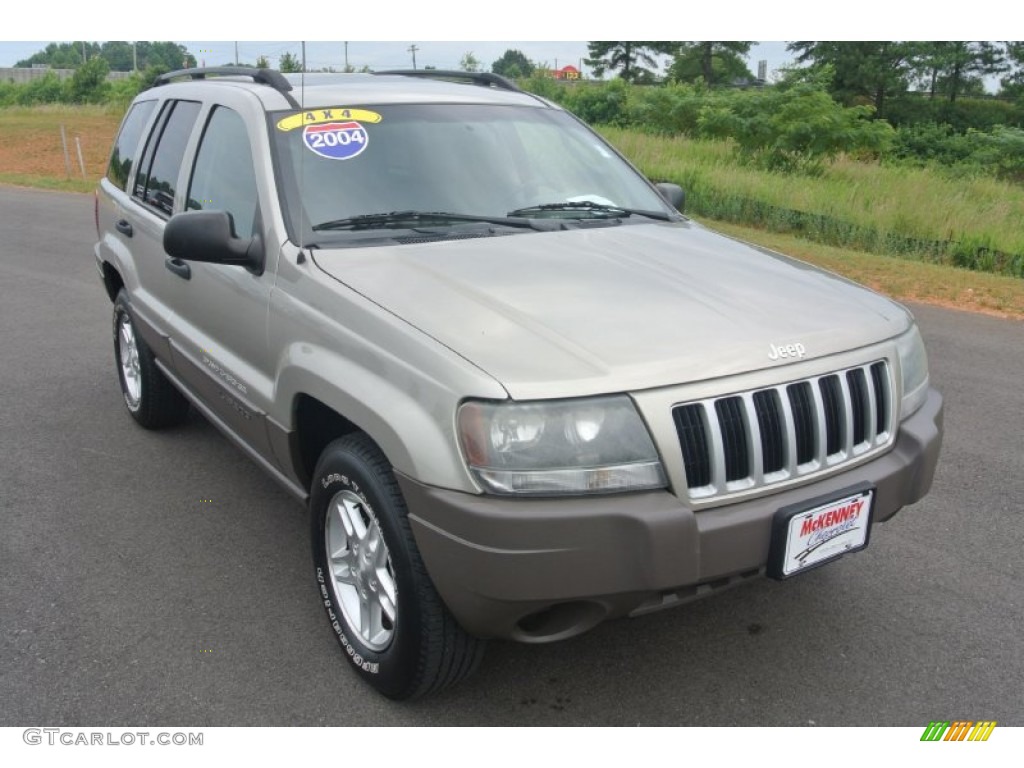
539, 570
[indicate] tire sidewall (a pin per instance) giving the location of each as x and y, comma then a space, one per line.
393, 669
121, 310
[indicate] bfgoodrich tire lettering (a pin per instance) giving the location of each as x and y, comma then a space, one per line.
385, 613
150, 398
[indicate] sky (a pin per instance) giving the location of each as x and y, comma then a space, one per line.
487, 30
388, 55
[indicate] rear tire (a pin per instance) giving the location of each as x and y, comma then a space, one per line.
386, 614
150, 398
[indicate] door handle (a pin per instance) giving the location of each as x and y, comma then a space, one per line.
179, 267
124, 227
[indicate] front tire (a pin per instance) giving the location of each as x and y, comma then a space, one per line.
150, 398
385, 612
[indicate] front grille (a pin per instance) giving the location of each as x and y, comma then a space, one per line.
801, 428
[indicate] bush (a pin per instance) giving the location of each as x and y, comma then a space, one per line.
961, 115
89, 83
603, 104
794, 129
671, 109
8, 94
47, 89
999, 151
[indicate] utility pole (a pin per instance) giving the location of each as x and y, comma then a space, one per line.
236, 53
84, 57
135, 57
412, 49
346, 56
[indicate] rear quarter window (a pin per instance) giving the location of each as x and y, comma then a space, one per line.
127, 143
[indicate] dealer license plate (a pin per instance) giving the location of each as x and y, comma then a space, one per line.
803, 538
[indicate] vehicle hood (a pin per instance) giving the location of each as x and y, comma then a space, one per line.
617, 308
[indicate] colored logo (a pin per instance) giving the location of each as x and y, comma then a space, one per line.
958, 730
337, 141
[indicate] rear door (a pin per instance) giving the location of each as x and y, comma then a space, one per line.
158, 295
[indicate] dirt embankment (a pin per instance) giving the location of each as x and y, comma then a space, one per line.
31, 147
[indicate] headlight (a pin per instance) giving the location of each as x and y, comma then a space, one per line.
559, 447
913, 370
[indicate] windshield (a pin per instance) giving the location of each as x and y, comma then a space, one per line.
484, 161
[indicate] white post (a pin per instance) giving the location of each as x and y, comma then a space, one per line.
81, 162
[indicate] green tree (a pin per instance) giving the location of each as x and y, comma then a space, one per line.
469, 62
62, 55
632, 60
955, 68
1013, 83
118, 55
861, 70
289, 63
714, 62
168, 55
262, 62
89, 83
513, 63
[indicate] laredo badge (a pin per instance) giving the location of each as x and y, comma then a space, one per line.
336, 141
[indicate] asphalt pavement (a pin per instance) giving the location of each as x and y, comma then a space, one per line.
162, 578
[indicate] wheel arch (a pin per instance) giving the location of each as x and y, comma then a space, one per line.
317, 425
333, 397
112, 280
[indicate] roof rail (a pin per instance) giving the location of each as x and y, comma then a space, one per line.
270, 77
479, 78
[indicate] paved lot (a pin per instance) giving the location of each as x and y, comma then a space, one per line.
125, 598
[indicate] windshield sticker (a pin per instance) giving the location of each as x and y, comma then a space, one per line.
336, 141
318, 116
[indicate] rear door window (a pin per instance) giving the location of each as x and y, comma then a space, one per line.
157, 179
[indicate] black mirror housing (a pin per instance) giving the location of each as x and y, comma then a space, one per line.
209, 236
673, 193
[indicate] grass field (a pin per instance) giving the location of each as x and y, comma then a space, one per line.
927, 205
904, 280
902, 211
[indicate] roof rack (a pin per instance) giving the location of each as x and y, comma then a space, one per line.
478, 78
270, 77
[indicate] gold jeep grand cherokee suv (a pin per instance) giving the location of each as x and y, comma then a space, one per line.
518, 390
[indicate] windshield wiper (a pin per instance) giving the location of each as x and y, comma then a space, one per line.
609, 211
418, 218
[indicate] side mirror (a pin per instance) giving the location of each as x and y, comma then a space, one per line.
673, 193
209, 236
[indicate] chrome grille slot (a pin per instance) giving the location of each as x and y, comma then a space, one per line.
762, 437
